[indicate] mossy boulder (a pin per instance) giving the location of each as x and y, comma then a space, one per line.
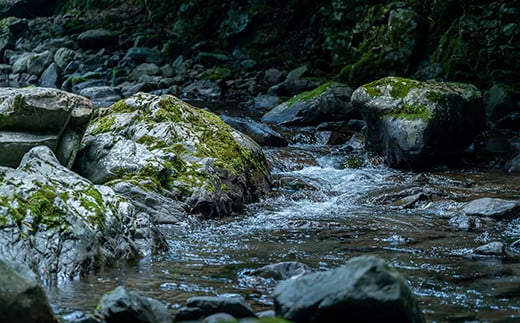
417, 124
166, 146
62, 225
328, 102
35, 116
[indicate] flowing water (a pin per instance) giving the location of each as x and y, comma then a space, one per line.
322, 213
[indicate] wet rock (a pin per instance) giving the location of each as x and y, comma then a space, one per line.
163, 145
96, 39
49, 77
37, 63
491, 249
272, 76
149, 69
464, 222
283, 270
233, 305
203, 89
366, 289
261, 133
33, 116
264, 102
331, 101
417, 124
140, 55
296, 73
513, 165
493, 207
102, 96
61, 224
22, 299
120, 305
63, 56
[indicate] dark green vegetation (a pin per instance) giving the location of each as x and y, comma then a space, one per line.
355, 41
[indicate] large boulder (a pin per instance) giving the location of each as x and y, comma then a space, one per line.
330, 101
34, 116
416, 124
62, 225
366, 289
22, 299
164, 145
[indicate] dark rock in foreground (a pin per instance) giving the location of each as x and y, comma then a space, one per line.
200, 306
417, 124
366, 289
22, 299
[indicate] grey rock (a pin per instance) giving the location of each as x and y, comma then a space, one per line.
491, 249
38, 115
145, 69
296, 73
166, 146
417, 124
264, 102
22, 299
97, 38
331, 101
19, 62
272, 76
102, 96
120, 305
49, 77
139, 55
366, 289
79, 317
498, 102
283, 270
202, 89
261, 133
493, 207
63, 56
234, 305
513, 165
70, 226
38, 62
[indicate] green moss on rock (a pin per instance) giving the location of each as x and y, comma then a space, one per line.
309, 95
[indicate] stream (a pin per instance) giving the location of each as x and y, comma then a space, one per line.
322, 213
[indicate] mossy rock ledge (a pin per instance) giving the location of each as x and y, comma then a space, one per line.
63, 226
418, 124
165, 147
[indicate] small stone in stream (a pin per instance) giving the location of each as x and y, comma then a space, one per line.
79, 317
493, 207
464, 222
235, 305
283, 270
492, 249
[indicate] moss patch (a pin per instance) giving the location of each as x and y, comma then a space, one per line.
306, 96
411, 112
399, 87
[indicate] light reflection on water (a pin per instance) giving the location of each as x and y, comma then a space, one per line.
323, 223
